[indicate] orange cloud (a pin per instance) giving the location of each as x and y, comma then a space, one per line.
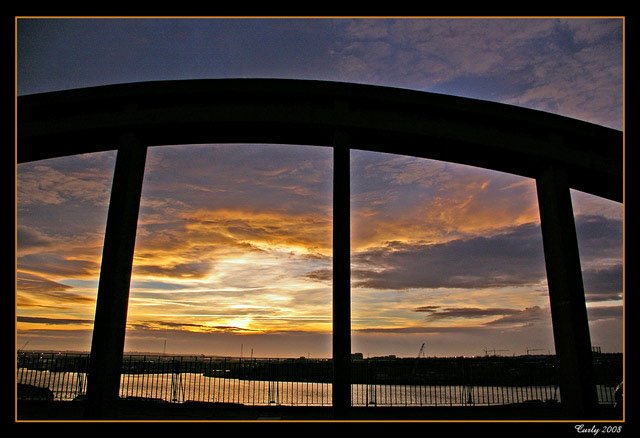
44, 184
307, 233
35, 283
29, 323
192, 247
34, 291
467, 205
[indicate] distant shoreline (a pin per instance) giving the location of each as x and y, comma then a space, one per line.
222, 356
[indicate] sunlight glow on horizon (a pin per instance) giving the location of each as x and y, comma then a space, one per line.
266, 271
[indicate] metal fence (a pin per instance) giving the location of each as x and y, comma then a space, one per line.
307, 382
296, 382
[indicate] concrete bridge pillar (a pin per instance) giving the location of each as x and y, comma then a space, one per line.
341, 279
566, 296
109, 327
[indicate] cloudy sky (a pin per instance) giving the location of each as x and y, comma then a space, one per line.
234, 241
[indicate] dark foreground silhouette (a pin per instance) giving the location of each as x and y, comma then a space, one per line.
158, 410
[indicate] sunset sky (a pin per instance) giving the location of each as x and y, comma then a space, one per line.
234, 241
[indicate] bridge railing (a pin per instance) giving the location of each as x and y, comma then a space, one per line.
479, 381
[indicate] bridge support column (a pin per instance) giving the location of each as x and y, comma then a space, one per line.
566, 296
109, 326
341, 280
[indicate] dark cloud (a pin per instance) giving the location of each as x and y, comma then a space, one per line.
65, 297
427, 309
23, 301
604, 312
60, 339
164, 325
526, 317
512, 258
512, 317
53, 321
181, 270
603, 284
324, 275
35, 283
436, 313
148, 324
36, 291
29, 238
316, 256
428, 329
598, 237
52, 299
509, 259
47, 263
593, 297
603, 280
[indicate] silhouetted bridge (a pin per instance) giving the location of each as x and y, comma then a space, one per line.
559, 153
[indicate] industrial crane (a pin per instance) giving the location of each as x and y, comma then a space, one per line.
420, 354
27, 343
